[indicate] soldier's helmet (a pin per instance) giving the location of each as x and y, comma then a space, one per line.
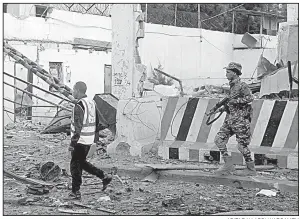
236, 67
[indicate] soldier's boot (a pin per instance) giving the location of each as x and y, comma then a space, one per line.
249, 171
227, 168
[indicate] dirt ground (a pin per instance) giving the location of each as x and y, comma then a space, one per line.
25, 148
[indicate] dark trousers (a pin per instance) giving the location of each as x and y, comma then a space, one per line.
79, 163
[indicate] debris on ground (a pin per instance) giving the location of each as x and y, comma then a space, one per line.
49, 171
37, 190
104, 198
172, 202
96, 208
215, 91
26, 180
28, 200
69, 211
266, 192
133, 197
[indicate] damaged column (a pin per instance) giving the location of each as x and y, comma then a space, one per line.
123, 41
127, 70
128, 74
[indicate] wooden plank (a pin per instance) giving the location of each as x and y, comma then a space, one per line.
95, 208
69, 211
26, 180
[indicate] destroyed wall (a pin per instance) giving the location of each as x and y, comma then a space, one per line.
49, 40
59, 26
292, 12
19, 71
287, 49
182, 55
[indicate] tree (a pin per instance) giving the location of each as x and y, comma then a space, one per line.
187, 15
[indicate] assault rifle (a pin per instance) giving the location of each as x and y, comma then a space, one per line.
221, 103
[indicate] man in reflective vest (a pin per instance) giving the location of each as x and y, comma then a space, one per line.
84, 126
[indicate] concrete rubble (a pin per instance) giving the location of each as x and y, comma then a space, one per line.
127, 196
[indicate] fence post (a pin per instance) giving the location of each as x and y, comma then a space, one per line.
199, 17
146, 13
175, 13
233, 15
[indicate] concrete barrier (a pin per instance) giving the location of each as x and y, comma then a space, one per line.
185, 135
138, 124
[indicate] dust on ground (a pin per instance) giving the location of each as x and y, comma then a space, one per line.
25, 148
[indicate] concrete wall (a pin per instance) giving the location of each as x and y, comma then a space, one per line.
292, 12
61, 26
180, 50
138, 124
20, 71
82, 65
288, 35
197, 62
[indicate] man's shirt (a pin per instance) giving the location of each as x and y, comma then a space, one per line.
79, 111
240, 107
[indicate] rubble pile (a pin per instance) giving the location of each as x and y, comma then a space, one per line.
213, 91
23, 125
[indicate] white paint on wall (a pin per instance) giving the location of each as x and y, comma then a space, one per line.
123, 45
63, 28
84, 66
8, 92
292, 12
179, 50
250, 58
182, 55
21, 72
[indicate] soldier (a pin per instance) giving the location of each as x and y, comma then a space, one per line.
84, 127
238, 119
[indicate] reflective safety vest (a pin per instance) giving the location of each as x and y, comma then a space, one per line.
87, 134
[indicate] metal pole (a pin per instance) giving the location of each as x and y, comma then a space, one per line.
146, 13
48, 92
233, 15
174, 78
261, 30
248, 26
39, 116
65, 108
199, 17
15, 90
19, 57
25, 105
175, 14
37, 72
290, 78
30, 80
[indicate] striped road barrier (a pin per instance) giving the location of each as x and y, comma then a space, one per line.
185, 135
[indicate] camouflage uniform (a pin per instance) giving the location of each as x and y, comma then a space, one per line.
237, 121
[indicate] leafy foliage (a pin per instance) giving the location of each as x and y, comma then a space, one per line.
158, 78
187, 15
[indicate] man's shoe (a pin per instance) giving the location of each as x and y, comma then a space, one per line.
106, 180
74, 196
